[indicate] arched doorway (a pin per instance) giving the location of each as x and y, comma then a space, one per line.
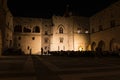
101, 45
114, 45
93, 46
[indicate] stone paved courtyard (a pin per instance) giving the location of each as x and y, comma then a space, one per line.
59, 68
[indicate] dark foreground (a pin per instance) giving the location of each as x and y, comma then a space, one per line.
59, 68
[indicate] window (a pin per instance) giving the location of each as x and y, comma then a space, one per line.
18, 28
46, 40
61, 30
33, 38
61, 40
19, 38
46, 33
28, 47
36, 29
27, 30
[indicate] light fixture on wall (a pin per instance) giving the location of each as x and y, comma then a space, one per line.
79, 30
80, 48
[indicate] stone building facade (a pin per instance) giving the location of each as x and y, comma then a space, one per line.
6, 27
105, 28
56, 34
61, 33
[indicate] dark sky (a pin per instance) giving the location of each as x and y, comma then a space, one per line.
46, 8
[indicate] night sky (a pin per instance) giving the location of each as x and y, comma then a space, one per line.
47, 8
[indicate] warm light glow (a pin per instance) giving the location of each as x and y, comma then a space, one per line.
86, 31
78, 31
80, 48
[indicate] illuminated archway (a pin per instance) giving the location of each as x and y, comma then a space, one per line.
93, 46
114, 45
80, 48
61, 29
101, 45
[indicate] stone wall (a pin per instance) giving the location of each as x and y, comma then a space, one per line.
105, 27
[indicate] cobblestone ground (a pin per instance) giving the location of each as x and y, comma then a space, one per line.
59, 68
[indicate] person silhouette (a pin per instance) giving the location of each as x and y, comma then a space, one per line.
41, 51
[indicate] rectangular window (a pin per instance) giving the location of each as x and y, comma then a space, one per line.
28, 47
46, 40
46, 33
61, 39
19, 38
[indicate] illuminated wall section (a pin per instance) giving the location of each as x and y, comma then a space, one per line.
59, 39
46, 34
27, 35
56, 34
29, 43
81, 42
72, 39
81, 36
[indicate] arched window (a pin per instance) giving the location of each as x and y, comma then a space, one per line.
114, 45
18, 28
26, 30
36, 29
61, 30
101, 45
93, 46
